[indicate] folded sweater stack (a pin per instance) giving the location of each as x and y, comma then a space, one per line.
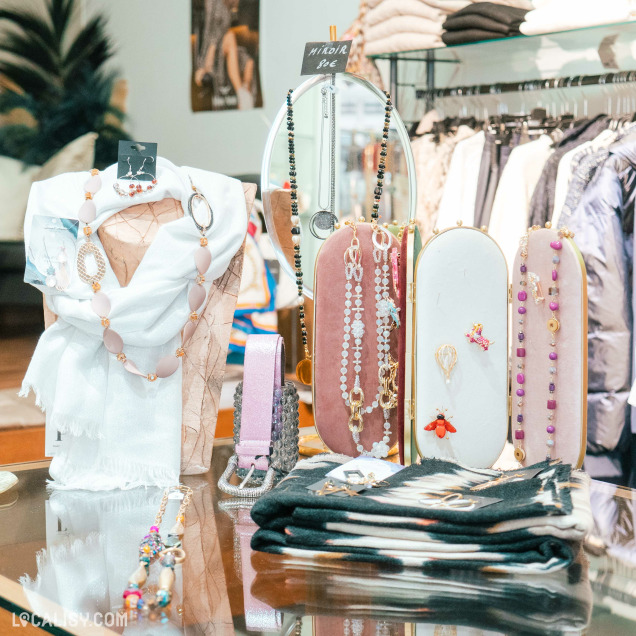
391, 26
482, 21
532, 523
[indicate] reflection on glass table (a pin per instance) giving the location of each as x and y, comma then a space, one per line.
67, 554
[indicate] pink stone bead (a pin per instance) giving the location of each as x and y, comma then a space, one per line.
202, 259
167, 366
131, 367
550, 429
556, 245
196, 297
521, 378
553, 355
555, 274
519, 434
93, 184
551, 405
554, 306
113, 341
522, 296
521, 353
100, 304
520, 392
87, 212
188, 330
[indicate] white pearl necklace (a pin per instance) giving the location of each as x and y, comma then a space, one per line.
354, 273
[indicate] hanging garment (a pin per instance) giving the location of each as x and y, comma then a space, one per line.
119, 430
542, 202
603, 227
432, 161
511, 207
569, 163
460, 190
535, 526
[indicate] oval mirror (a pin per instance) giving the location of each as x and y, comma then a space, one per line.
359, 118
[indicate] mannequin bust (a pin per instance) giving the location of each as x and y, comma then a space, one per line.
125, 238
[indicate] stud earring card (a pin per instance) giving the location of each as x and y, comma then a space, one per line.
137, 160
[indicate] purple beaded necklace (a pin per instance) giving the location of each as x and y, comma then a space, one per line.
553, 326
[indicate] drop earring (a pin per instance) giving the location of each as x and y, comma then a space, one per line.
135, 188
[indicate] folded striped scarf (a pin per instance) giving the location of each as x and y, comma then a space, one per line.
536, 527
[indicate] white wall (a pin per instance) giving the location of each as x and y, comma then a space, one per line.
152, 38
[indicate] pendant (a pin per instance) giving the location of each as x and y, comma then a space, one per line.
322, 220
86, 249
446, 357
204, 222
304, 371
520, 454
553, 325
535, 287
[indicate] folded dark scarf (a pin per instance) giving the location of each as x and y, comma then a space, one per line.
466, 36
483, 23
531, 530
497, 12
550, 604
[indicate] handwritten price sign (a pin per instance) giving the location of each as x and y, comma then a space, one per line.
325, 57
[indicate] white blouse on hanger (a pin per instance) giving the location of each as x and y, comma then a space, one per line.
460, 190
509, 217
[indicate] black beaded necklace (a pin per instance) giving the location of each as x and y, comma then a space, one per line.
303, 368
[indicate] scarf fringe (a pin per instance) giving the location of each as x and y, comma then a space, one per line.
81, 502
65, 424
110, 474
57, 554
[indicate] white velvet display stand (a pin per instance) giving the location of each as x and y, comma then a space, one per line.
461, 278
570, 416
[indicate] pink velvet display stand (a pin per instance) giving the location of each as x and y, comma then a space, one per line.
570, 416
330, 411
125, 238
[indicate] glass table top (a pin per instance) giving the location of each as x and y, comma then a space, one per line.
66, 556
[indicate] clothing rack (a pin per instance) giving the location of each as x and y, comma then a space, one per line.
574, 81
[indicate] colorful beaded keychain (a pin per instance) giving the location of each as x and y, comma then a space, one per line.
170, 553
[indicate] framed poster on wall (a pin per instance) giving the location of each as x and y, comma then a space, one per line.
225, 55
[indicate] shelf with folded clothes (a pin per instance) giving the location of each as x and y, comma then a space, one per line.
517, 45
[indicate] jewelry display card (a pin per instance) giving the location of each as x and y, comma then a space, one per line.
336, 334
51, 253
137, 160
549, 349
461, 340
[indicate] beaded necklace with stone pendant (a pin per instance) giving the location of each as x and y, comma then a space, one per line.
100, 303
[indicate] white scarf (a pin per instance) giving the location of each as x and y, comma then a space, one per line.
120, 430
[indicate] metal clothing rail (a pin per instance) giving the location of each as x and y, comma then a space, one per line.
574, 81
